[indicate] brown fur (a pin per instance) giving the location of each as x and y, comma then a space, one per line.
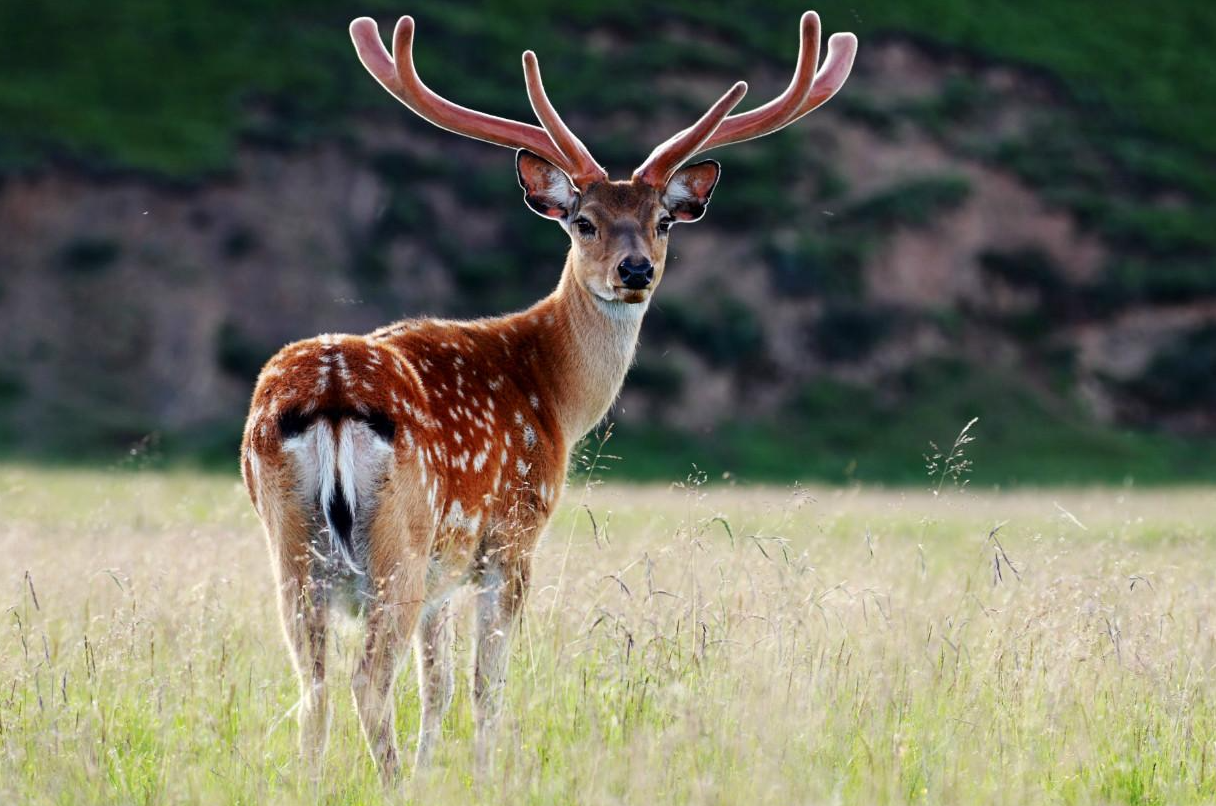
483, 416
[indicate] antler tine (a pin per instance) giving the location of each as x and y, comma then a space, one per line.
842, 49
782, 109
807, 90
584, 169
397, 74
669, 156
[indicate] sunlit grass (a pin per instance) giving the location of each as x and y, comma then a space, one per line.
701, 645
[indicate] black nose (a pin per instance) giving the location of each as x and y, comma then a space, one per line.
636, 274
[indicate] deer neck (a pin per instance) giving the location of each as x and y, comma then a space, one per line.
590, 344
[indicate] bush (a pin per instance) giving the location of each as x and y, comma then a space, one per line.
721, 328
1180, 377
916, 202
849, 333
89, 255
658, 377
1128, 281
12, 388
827, 266
239, 242
1030, 267
237, 354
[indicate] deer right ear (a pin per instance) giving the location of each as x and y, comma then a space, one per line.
547, 189
688, 191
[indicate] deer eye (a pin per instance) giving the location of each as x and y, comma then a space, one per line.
584, 227
663, 226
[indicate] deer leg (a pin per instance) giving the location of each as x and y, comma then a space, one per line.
436, 675
390, 622
398, 545
303, 609
304, 619
500, 598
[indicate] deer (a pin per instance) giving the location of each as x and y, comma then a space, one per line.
392, 470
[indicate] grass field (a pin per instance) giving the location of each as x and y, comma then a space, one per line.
684, 644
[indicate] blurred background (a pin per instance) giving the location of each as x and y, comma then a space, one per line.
1007, 213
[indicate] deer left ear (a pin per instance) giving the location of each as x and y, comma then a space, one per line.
687, 193
547, 189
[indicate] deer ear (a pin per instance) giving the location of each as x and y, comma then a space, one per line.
547, 189
687, 193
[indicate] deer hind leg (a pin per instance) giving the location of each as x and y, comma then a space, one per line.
436, 675
397, 563
500, 598
304, 609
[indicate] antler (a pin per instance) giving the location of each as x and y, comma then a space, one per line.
555, 142
806, 91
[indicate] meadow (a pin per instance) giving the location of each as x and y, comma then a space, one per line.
684, 644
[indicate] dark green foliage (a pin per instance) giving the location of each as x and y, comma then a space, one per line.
169, 86
402, 168
722, 329
657, 376
859, 108
1182, 377
1130, 281
405, 214
12, 388
916, 202
237, 354
1025, 268
836, 432
89, 255
369, 264
239, 242
828, 265
1158, 232
849, 332
961, 99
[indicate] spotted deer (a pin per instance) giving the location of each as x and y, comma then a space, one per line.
391, 469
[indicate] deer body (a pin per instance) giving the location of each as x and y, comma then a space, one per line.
429, 454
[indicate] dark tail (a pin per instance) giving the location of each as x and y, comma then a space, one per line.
341, 459
340, 518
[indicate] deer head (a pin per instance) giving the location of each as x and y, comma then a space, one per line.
618, 229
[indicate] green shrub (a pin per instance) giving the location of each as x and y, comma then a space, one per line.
849, 332
1181, 377
1029, 267
916, 202
369, 264
90, 255
12, 388
406, 213
829, 266
1126, 281
400, 167
237, 354
659, 377
239, 242
864, 110
721, 328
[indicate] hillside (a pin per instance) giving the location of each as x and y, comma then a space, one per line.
1004, 214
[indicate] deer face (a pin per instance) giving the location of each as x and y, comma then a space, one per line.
618, 230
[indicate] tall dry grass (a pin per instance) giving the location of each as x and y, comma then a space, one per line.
683, 645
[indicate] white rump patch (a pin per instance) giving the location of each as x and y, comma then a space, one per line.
356, 458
